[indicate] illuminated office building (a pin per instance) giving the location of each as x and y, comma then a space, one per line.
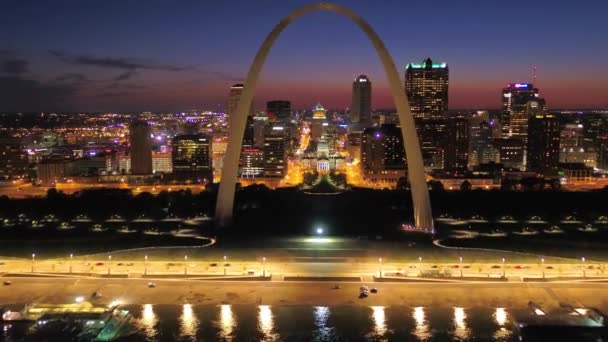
361, 107
192, 157
520, 101
426, 87
383, 154
543, 144
278, 110
140, 148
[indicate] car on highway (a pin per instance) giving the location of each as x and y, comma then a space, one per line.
374, 290
495, 266
120, 264
213, 264
99, 264
151, 285
226, 265
7, 282
129, 264
455, 266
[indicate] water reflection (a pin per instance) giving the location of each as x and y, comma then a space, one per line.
502, 334
461, 330
422, 328
227, 322
379, 320
266, 323
189, 322
148, 320
323, 332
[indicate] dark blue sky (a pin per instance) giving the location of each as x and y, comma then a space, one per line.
176, 55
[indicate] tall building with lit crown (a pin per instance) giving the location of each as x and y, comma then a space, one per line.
233, 101
543, 144
426, 87
361, 107
383, 154
319, 117
275, 151
192, 157
140, 148
520, 101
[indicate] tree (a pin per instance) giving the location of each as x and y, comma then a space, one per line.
435, 185
466, 186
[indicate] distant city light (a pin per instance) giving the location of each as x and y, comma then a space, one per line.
319, 231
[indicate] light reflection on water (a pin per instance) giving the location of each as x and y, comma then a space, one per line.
323, 331
379, 318
148, 321
227, 322
461, 330
266, 323
189, 322
422, 328
502, 334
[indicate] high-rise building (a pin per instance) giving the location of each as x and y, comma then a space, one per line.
481, 143
432, 135
140, 148
275, 151
520, 101
319, 117
192, 157
383, 154
361, 108
233, 101
278, 110
13, 158
543, 144
511, 152
457, 147
426, 87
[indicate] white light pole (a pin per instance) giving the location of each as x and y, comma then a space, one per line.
71, 258
264, 267
460, 266
380, 267
542, 265
584, 272
109, 263
225, 265
504, 272
420, 265
185, 264
33, 261
145, 264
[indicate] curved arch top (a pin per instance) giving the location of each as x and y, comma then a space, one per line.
422, 206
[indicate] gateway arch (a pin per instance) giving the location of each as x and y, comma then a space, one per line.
225, 200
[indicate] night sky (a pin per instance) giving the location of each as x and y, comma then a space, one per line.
177, 55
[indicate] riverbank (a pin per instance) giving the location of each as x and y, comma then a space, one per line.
136, 291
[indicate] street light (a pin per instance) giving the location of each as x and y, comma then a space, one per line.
542, 263
185, 264
460, 266
109, 263
225, 257
33, 261
504, 273
319, 231
380, 267
71, 258
263, 266
583, 260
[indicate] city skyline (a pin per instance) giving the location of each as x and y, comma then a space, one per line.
173, 58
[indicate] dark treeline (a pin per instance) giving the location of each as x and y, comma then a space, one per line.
289, 211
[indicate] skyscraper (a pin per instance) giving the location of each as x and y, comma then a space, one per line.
233, 101
426, 87
383, 154
481, 142
192, 158
520, 101
457, 147
361, 108
319, 117
543, 144
275, 151
140, 148
278, 110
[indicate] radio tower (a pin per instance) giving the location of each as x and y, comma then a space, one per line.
534, 75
